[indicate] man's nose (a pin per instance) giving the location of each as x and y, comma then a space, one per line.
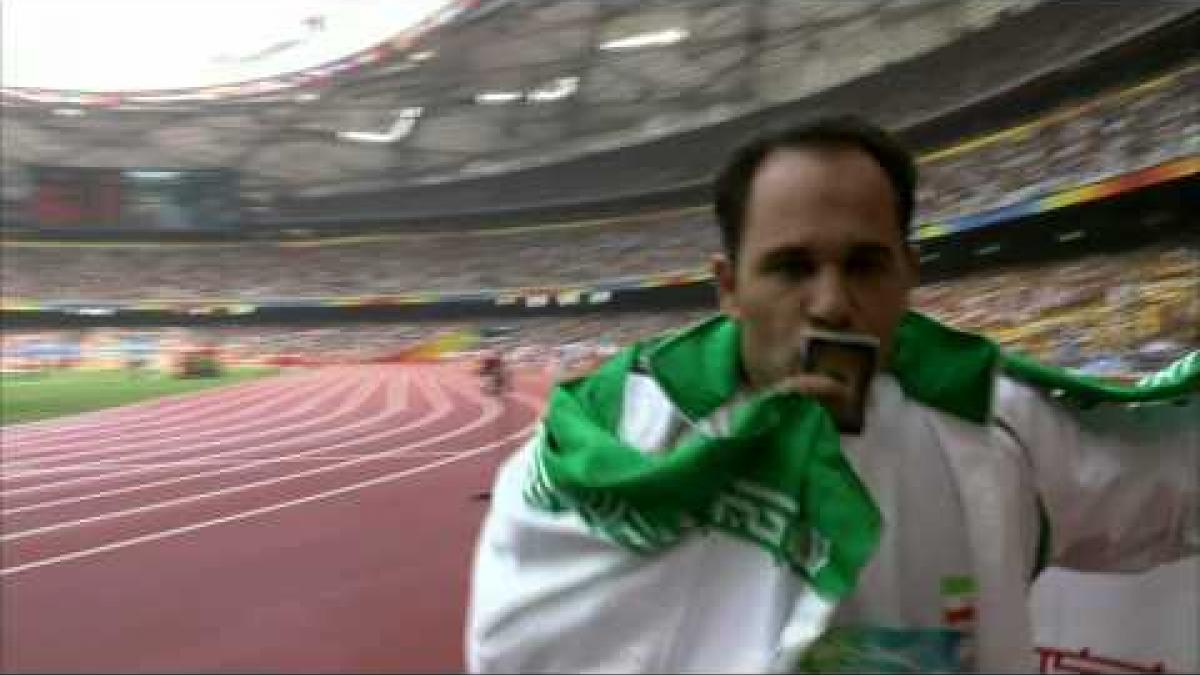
829, 305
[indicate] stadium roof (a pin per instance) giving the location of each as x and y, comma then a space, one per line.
486, 86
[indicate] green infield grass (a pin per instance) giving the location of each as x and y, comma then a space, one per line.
29, 397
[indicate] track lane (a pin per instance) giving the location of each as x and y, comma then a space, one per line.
403, 414
361, 578
24, 546
145, 414
263, 436
236, 415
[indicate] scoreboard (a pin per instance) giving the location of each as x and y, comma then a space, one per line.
135, 199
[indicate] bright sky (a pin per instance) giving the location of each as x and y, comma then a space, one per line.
114, 45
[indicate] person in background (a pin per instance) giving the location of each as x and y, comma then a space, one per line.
494, 371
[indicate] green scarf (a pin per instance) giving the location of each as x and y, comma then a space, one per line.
778, 479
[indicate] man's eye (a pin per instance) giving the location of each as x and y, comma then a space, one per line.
792, 269
866, 265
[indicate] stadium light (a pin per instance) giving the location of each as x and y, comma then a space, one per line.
307, 97
151, 174
422, 56
555, 91
652, 39
401, 127
497, 97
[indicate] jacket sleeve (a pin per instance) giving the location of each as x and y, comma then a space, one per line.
1118, 483
543, 582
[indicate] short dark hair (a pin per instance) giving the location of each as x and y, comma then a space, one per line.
732, 187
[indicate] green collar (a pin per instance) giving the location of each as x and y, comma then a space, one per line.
944, 368
700, 367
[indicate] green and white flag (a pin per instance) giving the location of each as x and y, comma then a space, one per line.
778, 478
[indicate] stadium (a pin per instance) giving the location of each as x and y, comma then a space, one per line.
244, 309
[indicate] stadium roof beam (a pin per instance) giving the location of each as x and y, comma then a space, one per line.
750, 65
498, 97
277, 130
679, 101
658, 38
575, 111
556, 90
402, 125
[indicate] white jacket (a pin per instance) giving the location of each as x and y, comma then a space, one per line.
1116, 486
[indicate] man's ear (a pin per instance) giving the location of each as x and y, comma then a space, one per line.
724, 274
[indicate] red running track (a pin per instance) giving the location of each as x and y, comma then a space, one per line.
315, 522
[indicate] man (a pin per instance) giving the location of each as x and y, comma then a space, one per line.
691, 506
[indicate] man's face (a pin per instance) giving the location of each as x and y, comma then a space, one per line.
821, 248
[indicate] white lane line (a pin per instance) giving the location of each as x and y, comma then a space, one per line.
48, 447
364, 391
390, 409
112, 515
245, 515
118, 464
178, 406
220, 419
291, 405
125, 465
41, 448
12, 477
430, 453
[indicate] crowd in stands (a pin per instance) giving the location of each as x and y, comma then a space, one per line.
1105, 314
445, 262
1133, 311
1115, 133
1109, 136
